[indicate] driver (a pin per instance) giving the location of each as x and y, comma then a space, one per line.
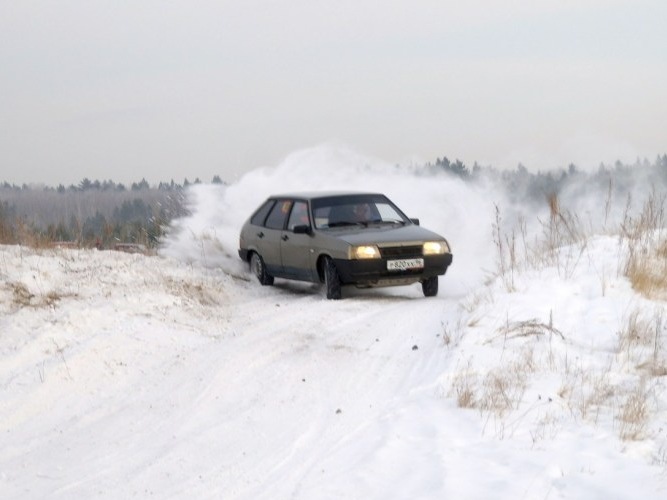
362, 212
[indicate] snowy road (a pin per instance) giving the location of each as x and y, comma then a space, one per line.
146, 376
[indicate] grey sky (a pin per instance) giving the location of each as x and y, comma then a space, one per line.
125, 89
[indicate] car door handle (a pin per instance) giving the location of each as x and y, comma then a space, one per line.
285, 237
260, 234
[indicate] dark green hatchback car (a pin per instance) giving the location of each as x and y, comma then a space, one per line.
338, 239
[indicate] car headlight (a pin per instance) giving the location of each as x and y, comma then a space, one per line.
365, 252
435, 248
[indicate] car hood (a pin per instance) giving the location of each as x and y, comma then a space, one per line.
358, 235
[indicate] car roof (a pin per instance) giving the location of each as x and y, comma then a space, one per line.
311, 195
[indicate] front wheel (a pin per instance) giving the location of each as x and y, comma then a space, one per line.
259, 269
331, 279
430, 286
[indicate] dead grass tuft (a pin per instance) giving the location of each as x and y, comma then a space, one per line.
638, 331
20, 294
464, 386
501, 390
586, 391
22, 297
531, 327
634, 414
646, 264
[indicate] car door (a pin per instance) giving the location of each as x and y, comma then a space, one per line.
296, 247
269, 237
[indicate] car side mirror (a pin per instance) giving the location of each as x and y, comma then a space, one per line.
415, 221
301, 229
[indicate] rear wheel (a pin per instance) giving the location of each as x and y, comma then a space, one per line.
430, 286
259, 269
331, 279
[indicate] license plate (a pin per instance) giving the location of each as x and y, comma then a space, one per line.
405, 264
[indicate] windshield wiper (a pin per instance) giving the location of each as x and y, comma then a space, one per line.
345, 223
387, 221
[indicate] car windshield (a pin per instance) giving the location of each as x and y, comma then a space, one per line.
355, 210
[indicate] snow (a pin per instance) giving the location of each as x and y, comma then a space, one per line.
179, 376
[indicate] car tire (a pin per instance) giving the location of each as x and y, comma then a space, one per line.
331, 280
430, 286
259, 269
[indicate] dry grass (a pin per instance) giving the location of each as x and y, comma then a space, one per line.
531, 327
648, 275
617, 392
451, 336
563, 240
464, 387
465, 392
502, 390
502, 387
634, 415
561, 243
637, 331
646, 261
641, 342
588, 391
23, 297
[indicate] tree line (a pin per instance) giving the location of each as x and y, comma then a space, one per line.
91, 213
104, 213
522, 185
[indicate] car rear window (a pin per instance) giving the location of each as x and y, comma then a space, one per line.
278, 215
260, 216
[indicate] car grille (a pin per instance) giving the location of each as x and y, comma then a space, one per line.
401, 252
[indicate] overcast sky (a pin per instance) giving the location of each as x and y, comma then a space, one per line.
162, 89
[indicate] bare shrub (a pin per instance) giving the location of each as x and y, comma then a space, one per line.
506, 253
564, 239
7, 236
562, 243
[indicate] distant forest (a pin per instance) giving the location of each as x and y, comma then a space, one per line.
524, 186
104, 214
92, 213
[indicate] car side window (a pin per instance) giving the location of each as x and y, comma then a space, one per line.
299, 215
260, 216
277, 216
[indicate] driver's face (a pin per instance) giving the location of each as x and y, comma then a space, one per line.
363, 211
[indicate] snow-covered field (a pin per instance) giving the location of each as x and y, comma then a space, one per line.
179, 376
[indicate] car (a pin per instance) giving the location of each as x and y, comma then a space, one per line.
341, 238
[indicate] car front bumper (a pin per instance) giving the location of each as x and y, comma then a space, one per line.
374, 272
